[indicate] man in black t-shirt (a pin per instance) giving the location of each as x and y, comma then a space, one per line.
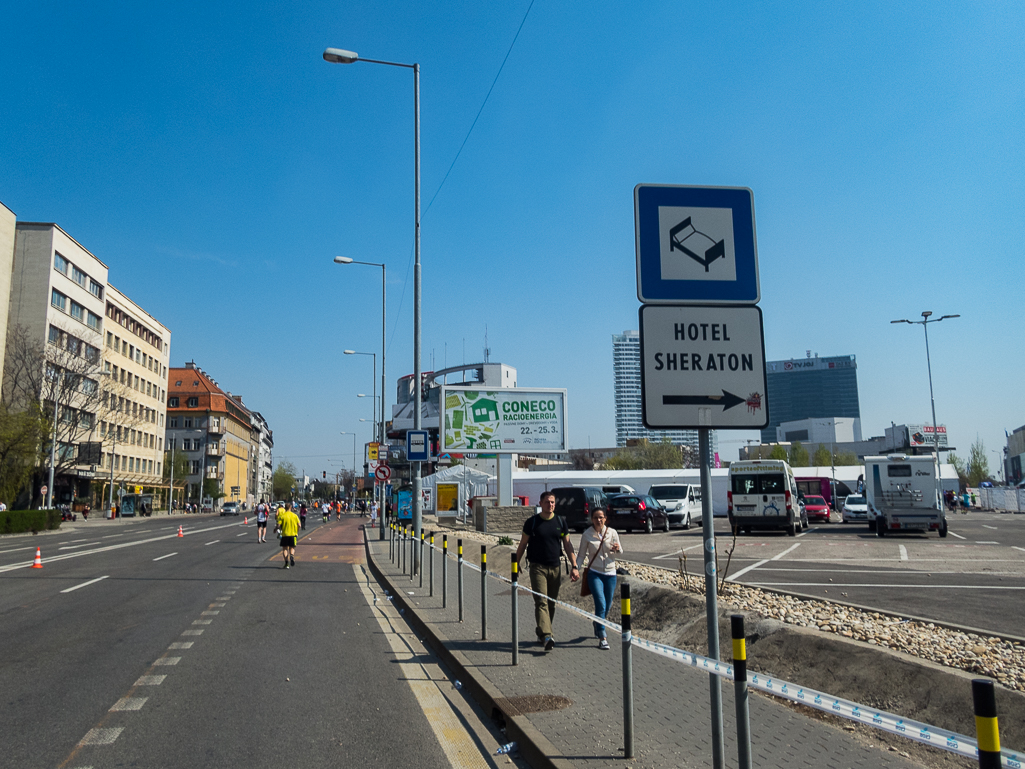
544, 535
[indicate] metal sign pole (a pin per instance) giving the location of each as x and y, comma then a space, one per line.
711, 600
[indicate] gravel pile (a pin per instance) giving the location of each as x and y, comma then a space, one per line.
989, 656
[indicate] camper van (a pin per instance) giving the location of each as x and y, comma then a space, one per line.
901, 495
762, 495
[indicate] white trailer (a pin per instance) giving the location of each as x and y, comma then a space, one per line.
903, 495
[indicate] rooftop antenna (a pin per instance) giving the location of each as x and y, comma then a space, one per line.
487, 350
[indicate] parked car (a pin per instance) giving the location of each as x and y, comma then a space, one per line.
230, 508
575, 503
627, 512
682, 502
816, 507
855, 508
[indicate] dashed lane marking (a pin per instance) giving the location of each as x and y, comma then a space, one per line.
954, 534
201, 621
1015, 547
150, 680
75, 547
101, 736
886, 584
676, 554
903, 552
212, 543
167, 661
160, 558
788, 550
181, 645
986, 543
128, 703
208, 613
85, 584
192, 632
989, 527
744, 571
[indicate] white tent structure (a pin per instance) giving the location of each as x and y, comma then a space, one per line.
472, 483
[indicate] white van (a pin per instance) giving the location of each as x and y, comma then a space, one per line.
902, 495
682, 502
763, 495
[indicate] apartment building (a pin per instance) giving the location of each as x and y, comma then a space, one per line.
263, 466
8, 225
136, 353
215, 430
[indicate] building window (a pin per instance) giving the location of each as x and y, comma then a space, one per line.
60, 263
92, 354
110, 339
58, 300
55, 335
172, 403
178, 383
95, 288
89, 386
93, 321
79, 277
193, 403
172, 423
77, 311
187, 424
196, 468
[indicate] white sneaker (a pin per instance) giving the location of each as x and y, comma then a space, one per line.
603, 643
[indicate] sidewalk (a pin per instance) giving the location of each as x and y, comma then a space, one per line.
564, 708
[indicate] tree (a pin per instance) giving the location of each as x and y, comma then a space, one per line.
846, 458
283, 480
798, 455
959, 467
647, 456
181, 467
978, 464
212, 488
21, 435
778, 452
822, 457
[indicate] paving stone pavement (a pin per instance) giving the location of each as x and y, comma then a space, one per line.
671, 700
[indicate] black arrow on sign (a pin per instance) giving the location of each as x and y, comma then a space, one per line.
726, 400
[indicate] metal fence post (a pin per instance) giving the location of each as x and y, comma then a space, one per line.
740, 691
459, 577
987, 730
432, 564
391, 543
484, 592
402, 547
421, 561
412, 552
515, 573
444, 571
628, 673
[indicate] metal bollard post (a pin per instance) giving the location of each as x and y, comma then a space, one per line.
628, 674
740, 691
444, 571
484, 592
432, 564
987, 730
402, 544
421, 561
459, 577
412, 552
515, 572
391, 543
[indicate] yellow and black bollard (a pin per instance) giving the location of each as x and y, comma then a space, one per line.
432, 564
421, 560
515, 575
444, 571
484, 592
628, 673
987, 731
459, 577
740, 691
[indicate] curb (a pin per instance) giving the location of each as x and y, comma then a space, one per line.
532, 745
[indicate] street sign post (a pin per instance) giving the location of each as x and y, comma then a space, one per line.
695, 245
702, 366
417, 447
382, 473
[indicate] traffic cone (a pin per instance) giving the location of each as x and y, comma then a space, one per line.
180, 533
38, 563
245, 521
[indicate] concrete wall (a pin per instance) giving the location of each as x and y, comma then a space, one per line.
504, 520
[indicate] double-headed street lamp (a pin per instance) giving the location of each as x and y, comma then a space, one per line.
340, 56
924, 323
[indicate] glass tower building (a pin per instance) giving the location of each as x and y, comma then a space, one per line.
626, 369
810, 388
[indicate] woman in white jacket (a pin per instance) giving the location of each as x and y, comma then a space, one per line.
599, 545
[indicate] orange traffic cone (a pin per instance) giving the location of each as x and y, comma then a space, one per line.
180, 533
245, 521
38, 563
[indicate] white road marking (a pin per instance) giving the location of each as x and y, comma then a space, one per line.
903, 552
101, 736
128, 703
112, 535
223, 598
788, 550
676, 554
212, 543
150, 680
181, 645
1015, 547
752, 567
986, 543
192, 632
165, 661
16, 549
888, 584
85, 584
215, 612
164, 556
74, 547
201, 621
243, 534
989, 527
809, 531
955, 535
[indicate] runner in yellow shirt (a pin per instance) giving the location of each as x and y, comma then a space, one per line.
289, 524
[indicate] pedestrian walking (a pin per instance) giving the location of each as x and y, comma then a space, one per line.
544, 535
262, 513
288, 523
599, 544
302, 516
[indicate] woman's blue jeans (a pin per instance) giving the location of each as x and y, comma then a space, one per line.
603, 589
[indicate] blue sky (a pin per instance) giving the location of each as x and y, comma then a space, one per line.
216, 163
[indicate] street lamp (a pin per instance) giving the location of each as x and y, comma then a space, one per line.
924, 323
378, 436
347, 260
353, 463
340, 56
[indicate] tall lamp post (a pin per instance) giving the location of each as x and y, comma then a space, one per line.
340, 56
379, 437
353, 463
924, 323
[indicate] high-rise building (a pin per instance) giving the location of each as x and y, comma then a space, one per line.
626, 370
810, 388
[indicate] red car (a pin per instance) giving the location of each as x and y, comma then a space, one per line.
816, 508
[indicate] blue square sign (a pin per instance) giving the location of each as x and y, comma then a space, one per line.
417, 447
695, 245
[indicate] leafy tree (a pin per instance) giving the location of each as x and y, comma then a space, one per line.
978, 464
647, 456
959, 467
283, 480
21, 434
778, 452
798, 455
212, 489
848, 458
181, 467
822, 457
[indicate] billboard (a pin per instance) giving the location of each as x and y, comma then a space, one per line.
922, 435
504, 420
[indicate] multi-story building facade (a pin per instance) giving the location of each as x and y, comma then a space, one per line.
626, 371
215, 430
136, 353
263, 466
8, 230
810, 388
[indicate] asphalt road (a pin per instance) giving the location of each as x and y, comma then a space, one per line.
133, 647
974, 578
